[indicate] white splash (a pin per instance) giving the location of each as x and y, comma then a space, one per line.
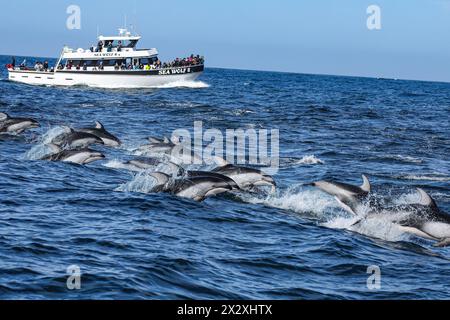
304, 201
437, 177
185, 84
42, 149
142, 182
315, 204
310, 159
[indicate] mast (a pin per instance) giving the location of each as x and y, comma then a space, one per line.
59, 60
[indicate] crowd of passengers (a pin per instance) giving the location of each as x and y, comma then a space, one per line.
156, 64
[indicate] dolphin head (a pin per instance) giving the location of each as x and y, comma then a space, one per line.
93, 156
108, 138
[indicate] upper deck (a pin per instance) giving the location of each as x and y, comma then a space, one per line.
120, 46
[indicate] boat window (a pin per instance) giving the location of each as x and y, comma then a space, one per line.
130, 44
112, 62
124, 43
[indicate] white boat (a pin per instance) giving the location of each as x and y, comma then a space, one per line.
114, 63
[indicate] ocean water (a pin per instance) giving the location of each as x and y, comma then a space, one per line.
295, 244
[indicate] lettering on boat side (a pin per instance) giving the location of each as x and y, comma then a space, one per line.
174, 71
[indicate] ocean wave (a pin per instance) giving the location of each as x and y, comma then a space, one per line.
402, 158
305, 160
430, 177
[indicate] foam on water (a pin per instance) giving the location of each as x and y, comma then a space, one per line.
317, 205
310, 159
194, 84
299, 201
430, 177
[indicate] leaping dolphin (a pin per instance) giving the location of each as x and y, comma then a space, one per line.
100, 131
347, 195
245, 177
76, 139
16, 125
145, 163
197, 188
79, 156
423, 219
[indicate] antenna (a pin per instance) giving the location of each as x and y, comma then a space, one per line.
125, 26
98, 31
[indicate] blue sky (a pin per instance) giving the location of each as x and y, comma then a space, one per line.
307, 36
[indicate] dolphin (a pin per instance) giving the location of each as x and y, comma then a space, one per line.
246, 178
423, 219
195, 188
16, 125
145, 163
158, 140
155, 147
199, 188
79, 156
215, 175
347, 195
76, 139
100, 131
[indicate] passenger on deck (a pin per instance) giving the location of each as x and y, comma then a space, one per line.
85, 66
119, 47
116, 66
99, 46
100, 66
13, 63
45, 66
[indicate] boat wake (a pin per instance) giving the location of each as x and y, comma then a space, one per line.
176, 84
194, 84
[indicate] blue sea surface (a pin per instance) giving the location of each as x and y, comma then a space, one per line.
296, 244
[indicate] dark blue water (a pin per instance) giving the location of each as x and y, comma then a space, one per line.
297, 244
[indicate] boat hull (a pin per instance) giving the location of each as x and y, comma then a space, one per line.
108, 79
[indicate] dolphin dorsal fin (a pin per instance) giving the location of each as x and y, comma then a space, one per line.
221, 162
425, 198
99, 125
366, 184
3, 116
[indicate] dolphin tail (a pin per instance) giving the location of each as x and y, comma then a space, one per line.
443, 243
3, 116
